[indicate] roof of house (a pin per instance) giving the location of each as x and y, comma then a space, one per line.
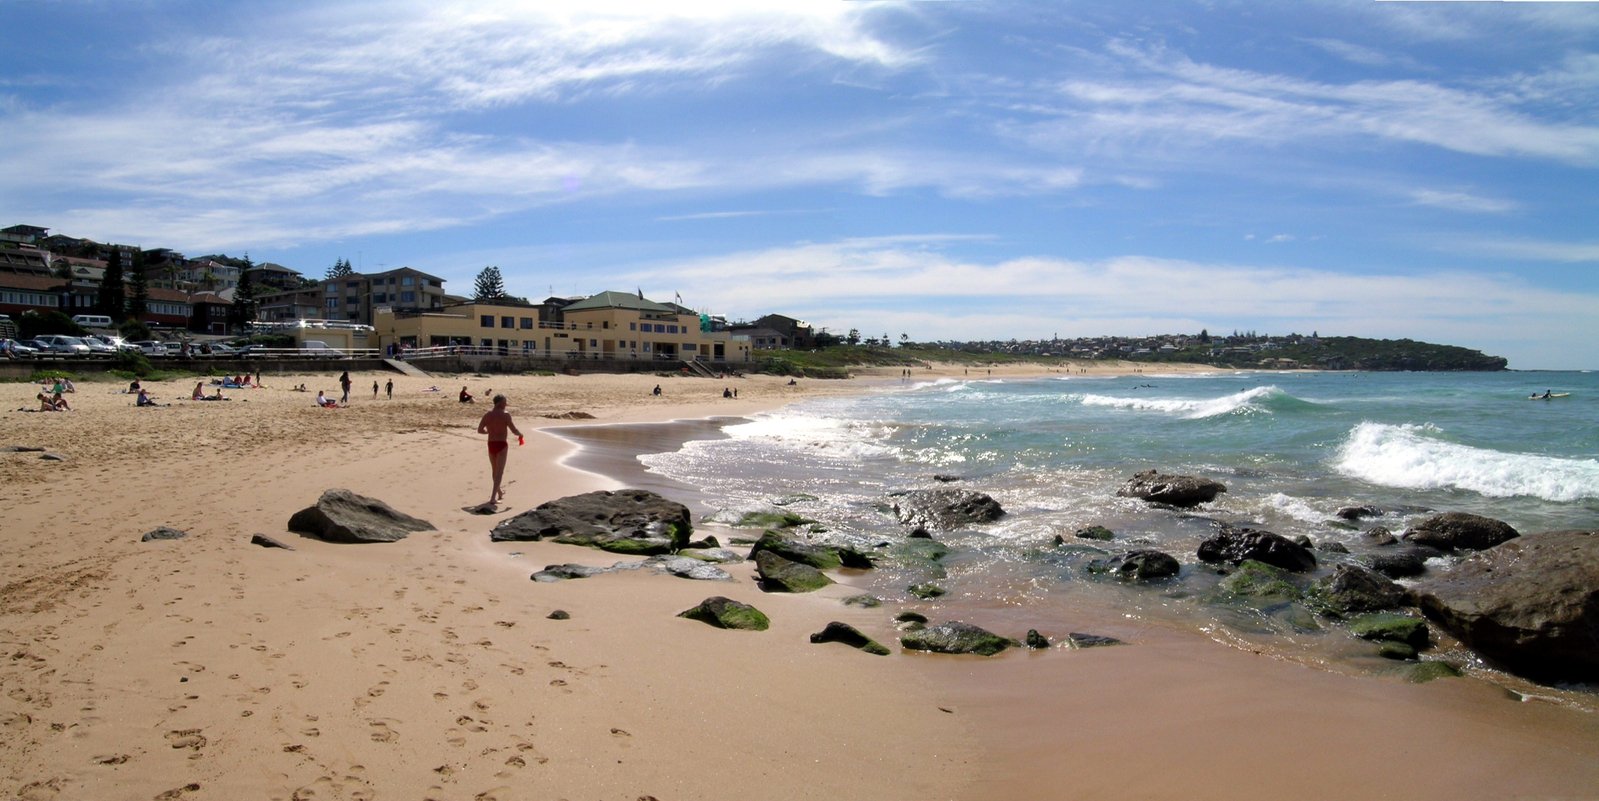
618, 300
32, 282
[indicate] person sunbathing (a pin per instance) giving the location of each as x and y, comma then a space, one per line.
324, 401
60, 403
45, 404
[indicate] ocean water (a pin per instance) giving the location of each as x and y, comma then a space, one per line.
1291, 448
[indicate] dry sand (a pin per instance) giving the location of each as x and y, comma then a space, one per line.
211, 668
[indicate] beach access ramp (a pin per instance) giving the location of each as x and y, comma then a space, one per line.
406, 368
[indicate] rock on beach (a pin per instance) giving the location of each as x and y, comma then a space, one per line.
343, 516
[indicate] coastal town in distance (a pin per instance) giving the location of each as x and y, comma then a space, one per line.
216, 304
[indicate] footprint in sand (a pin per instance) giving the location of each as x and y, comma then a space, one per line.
186, 738
381, 732
178, 792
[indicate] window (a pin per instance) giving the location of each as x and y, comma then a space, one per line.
632, 326
407, 297
333, 304
407, 280
485, 321
671, 329
353, 284
527, 323
507, 322
332, 288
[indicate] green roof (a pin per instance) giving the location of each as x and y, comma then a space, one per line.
618, 300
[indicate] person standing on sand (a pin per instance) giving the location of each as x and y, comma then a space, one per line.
374, 390
388, 386
495, 423
344, 383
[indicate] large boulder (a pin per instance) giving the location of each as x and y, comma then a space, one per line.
945, 509
955, 637
1530, 604
1233, 545
1458, 531
782, 575
630, 521
343, 516
1172, 490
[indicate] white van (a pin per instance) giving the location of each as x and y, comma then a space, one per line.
92, 320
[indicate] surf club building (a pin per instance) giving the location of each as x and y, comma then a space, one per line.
608, 326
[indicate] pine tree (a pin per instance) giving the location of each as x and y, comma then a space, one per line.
242, 312
138, 288
490, 286
112, 299
340, 269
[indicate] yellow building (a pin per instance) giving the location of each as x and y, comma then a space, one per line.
610, 325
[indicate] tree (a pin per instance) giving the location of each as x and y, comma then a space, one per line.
904, 339
490, 286
112, 300
242, 312
854, 336
138, 288
340, 269
1204, 335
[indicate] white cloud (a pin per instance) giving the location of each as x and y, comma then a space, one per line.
919, 287
1461, 201
1569, 252
1166, 101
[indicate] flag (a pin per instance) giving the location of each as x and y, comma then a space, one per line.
641, 293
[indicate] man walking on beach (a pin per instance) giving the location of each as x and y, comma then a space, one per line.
496, 422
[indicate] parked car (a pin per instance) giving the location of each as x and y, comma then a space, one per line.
96, 347
61, 345
13, 349
318, 349
221, 350
150, 347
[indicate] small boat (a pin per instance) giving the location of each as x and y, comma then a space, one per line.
1550, 396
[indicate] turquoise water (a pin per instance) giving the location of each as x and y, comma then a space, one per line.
1292, 448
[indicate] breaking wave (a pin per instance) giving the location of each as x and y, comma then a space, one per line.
1416, 457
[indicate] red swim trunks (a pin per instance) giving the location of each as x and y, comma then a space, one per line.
497, 445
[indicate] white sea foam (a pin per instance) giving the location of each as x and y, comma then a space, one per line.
1191, 408
1415, 457
832, 436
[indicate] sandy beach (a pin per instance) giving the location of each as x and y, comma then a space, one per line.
212, 668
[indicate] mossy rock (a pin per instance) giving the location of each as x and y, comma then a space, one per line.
864, 601
783, 575
1398, 651
727, 613
921, 548
926, 590
1391, 627
817, 556
771, 520
955, 638
1260, 582
1427, 671
851, 636
908, 616
1095, 533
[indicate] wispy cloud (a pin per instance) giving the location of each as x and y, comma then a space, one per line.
1167, 100
1461, 201
1529, 249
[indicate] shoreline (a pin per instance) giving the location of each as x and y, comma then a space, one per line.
427, 668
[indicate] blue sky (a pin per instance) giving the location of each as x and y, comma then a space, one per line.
946, 170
